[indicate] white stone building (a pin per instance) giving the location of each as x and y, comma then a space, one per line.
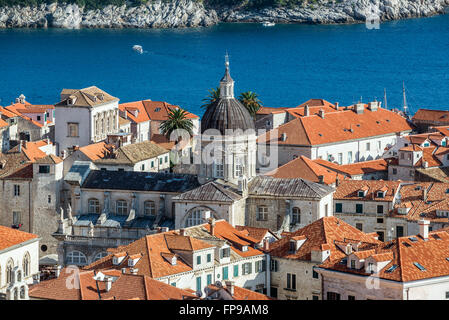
358, 133
19, 263
407, 268
84, 116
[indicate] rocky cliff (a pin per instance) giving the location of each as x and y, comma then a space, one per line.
187, 13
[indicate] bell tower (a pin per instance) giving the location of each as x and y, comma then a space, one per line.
226, 83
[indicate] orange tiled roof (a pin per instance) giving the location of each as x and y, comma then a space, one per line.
348, 190
240, 293
305, 168
10, 237
431, 115
150, 110
325, 231
444, 130
365, 167
130, 107
152, 248
405, 253
337, 126
254, 232
163, 141
125, 287
95, 151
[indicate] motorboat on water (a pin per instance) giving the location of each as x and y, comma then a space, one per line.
268, 24
138, 48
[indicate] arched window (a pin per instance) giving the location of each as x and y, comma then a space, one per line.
149, 208
121, 207
19, 276
22, 292
195, 218
94, 206
100, 255
26, 265
16, 294
76, 257
9, 272
296, 215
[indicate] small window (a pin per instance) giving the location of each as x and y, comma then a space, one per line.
315, 274
352, 264
291, 281
392, 268
166, 159
296, 215
236, 270
209, 257
44, 169
361, 194
395, 171
359, 208
339, 207
419, 266
198, 260
121, 207
447, 294
380, 220
380, 194
72, 129
38, 118
49, 199
380, 209
351, 298
359, 226
262, 213
16, 190
160, 160
274, 265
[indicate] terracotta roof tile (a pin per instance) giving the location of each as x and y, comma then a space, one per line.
10, 237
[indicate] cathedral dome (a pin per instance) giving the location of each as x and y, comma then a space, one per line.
227, 113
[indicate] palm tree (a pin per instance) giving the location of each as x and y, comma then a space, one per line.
214, 95
251, 102
177, 119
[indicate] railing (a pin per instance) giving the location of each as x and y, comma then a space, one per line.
112, 242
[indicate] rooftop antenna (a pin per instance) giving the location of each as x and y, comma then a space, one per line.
227, 59
385, 98
405, 99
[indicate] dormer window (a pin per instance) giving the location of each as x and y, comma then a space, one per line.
292, 248
361, 194
426, 144
380, 194
226, 252
132, 261
244, 248
44, 169
118, 258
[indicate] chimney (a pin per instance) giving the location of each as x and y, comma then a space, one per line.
19, 148
359, 108
266, 244
337, 105
230, 287
424, 229
306, 110
212, 226
321, 113
57, 271
164, 229
123, 270
337, 182
425, 164
108, 283
182, 232
424, 193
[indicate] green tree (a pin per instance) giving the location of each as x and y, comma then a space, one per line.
214, 95
177, 119
251, 102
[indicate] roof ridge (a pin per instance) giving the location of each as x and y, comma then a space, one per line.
150, 267
304, 129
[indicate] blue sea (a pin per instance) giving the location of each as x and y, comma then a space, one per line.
286, 64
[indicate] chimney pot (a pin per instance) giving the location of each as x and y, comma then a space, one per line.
230, 287
321, 113
424, 228
306, 110
108, 282
182, 232
212, 226
266, 244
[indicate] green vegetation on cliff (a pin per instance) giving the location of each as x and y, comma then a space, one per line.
98, 4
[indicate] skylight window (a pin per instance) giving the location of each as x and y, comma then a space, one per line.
447, 190
419, 266
413, 239
392, 268
406, 244
436, 237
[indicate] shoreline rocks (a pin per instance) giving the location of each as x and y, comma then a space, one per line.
188, 13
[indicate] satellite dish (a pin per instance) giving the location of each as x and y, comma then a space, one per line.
218, 284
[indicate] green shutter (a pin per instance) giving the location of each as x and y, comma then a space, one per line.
225, 273
236, 270
209, 279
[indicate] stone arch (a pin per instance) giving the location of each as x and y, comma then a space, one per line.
26, 267
193, 215
9, 270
